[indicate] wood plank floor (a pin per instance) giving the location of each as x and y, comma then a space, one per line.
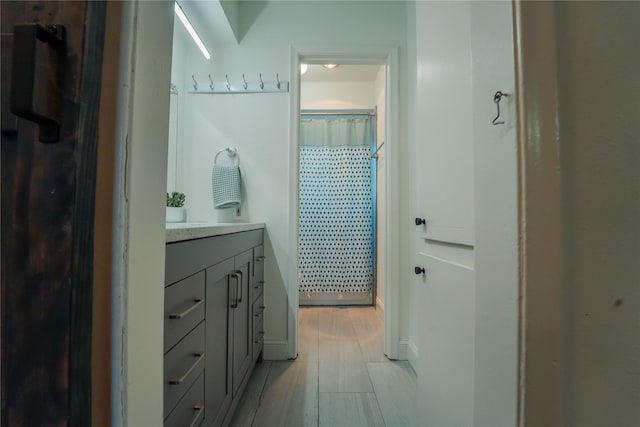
341, 377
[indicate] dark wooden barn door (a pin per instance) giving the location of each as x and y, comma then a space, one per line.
51, 72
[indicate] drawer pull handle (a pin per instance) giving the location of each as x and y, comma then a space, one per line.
260, 258
258, 315
239, 272
257, 341
196, 304
177, 381
262, 306
261, 332
234, 304
199, 411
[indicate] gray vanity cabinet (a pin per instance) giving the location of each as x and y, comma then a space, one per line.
241, 315
220, 288
211, 283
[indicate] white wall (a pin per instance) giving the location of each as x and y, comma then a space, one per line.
336, 95
259, 124
599, 108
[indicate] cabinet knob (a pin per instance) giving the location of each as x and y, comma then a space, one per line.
418, 270
420, 221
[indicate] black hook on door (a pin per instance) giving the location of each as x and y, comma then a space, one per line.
497, 97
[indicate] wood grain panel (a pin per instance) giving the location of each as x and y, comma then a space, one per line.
47, 225
342, 367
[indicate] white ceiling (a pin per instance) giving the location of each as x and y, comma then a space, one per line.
342, 73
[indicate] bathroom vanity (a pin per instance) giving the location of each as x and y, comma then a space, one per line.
213, 319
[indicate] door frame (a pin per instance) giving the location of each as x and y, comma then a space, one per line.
373, 55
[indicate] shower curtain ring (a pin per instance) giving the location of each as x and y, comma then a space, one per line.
278, 80
226, 76
211, 84
261, 82
195, 83
244, 84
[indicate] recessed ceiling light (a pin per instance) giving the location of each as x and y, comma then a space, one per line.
330, 66
303, 68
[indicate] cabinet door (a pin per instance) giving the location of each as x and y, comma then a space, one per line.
242, 345
220, 295
443, 154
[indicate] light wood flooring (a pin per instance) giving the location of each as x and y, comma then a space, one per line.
340, 378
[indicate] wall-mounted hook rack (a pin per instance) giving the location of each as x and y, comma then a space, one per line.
244, 86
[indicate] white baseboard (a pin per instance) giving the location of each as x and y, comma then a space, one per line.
276, 350
413, 355
403, 349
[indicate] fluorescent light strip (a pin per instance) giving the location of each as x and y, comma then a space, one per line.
190, 30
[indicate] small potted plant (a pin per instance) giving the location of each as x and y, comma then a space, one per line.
175, 210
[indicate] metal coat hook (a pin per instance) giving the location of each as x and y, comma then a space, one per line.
278, 80
195, 83
226, 76
244, 84
497, 97
212, 85
261, 82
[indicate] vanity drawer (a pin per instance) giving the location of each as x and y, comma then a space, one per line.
182, 365
258, 327
190, 410
258, 271
258, 341
183, 308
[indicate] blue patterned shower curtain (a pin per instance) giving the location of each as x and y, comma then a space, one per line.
336, 223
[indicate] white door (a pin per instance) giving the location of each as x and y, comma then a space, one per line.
468, 310
443, 166
496, 214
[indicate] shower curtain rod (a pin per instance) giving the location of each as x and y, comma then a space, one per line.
339, 113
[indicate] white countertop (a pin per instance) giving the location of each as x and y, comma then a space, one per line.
178, 231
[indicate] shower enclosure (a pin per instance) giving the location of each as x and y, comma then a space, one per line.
337, 208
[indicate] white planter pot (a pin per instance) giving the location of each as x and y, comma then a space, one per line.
176, 214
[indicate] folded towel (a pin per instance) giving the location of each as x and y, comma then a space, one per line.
226, 186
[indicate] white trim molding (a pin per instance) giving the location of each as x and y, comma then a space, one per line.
387, 56
541, 233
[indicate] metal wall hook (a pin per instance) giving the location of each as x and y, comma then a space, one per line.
261, 82
244, 84
226, 76
212, 85
195, 83
497, 97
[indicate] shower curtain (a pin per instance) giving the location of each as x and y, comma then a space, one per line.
336, 223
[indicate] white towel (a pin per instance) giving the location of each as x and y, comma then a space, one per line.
226, 186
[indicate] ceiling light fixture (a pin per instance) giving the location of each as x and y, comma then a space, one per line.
329, 66
303, 68
190, 30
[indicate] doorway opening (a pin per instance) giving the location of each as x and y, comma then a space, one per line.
340, 187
